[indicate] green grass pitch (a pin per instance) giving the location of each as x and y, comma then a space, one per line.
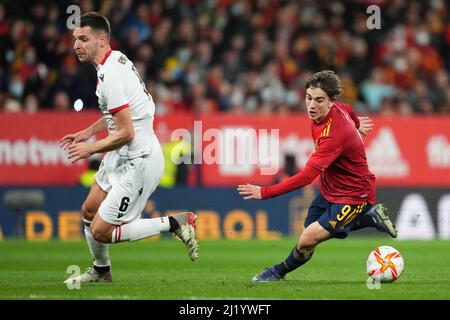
160, 269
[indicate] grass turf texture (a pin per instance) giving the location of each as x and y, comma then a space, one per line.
160, 269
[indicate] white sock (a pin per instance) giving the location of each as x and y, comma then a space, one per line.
99, 250
140, 229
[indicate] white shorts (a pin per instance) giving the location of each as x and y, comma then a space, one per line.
129, 183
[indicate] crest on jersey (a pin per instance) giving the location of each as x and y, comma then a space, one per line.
122, 59
101, 77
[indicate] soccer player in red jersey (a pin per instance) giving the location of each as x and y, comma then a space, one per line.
346, 201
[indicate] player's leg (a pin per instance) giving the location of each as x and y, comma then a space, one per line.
118, 219
99, 251
119, 215
377, 217
183, 226
138, 229
303, 250
185, 231
300, 254
325, 220
313, 234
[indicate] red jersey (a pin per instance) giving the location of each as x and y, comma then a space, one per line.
340, 159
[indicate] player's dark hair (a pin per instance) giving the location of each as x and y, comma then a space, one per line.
96, 21
328, 81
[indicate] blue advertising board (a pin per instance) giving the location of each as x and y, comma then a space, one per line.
222, 213
420, 213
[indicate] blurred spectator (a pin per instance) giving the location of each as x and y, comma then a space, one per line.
4, 23
441, 84
405, 109
289, 168
425, 106
250, 56
31, 103
16, 86
359, 64
388, 107
12, 106
61, 102
375, 89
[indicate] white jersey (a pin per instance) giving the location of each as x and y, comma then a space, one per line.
120, 86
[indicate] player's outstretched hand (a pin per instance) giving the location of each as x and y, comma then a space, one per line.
365, 125
79, 151
250, 191
74, 138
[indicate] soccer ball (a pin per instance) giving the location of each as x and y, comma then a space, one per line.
384, 264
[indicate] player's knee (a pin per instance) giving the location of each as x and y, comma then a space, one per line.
307, 243
96, 234
87, 213
308, 240
99, 235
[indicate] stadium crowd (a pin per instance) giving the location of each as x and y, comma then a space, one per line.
236, 57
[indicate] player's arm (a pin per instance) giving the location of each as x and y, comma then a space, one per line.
97, 126
301, 179
328, 150
123, 134
83, 135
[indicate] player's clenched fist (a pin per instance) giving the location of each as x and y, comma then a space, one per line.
250, 191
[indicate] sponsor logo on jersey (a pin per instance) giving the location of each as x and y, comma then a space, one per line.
122, 59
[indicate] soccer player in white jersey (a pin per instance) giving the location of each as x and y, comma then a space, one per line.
133, 164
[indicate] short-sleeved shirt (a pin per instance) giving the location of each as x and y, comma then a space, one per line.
120, 86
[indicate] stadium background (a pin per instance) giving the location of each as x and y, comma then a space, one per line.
228, 65
232, 64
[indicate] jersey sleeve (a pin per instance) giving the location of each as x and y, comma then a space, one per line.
328, 150
301, 179
114, 90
